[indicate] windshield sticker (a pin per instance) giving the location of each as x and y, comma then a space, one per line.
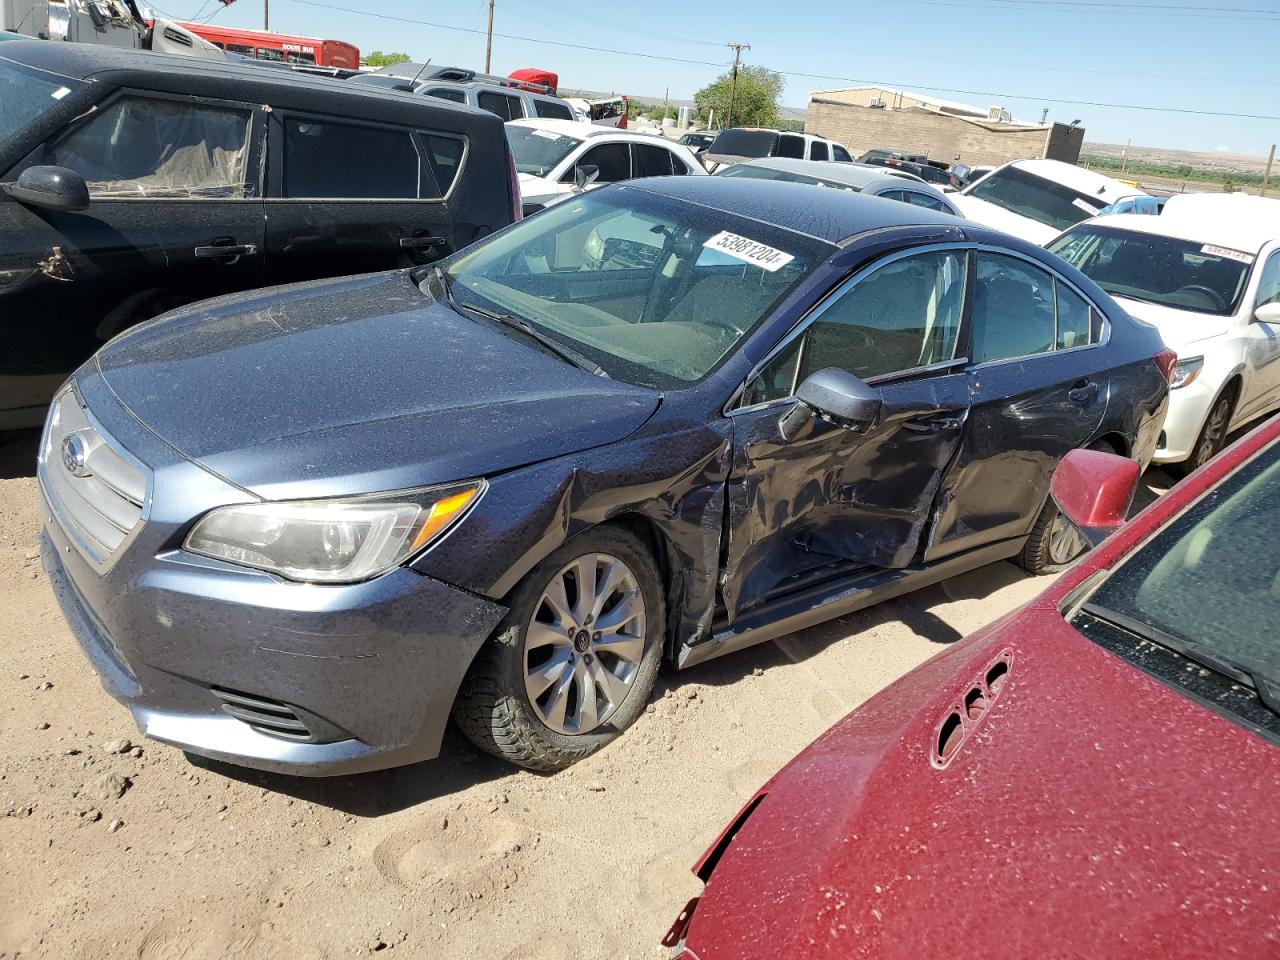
1226, 253
548, 135
60, 93
1085, 206
748, 251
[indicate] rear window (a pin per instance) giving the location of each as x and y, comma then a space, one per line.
1036, 198
324, 159
744, 143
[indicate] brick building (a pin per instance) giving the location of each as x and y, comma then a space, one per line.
863, 118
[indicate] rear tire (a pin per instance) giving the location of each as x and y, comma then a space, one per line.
547, 689
1053, 545
1212, 438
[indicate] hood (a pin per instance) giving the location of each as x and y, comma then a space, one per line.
357, 385
1092, 806
540, 189
998, 218
1178, 328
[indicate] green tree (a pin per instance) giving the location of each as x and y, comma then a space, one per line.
379, 59
755, 102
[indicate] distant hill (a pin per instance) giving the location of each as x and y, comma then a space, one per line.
1213, 161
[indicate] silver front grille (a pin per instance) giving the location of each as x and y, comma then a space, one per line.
95, 489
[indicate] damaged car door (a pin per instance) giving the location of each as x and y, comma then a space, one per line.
810, 494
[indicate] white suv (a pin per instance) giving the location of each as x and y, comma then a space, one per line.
556, 159
1037, 199
1206, 274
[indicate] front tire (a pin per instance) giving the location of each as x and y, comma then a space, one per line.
572, 664
1212, 438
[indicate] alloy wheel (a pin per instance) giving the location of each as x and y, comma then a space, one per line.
584, 645
1065, 541
1215, 431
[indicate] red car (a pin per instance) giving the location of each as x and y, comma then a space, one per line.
1095, 775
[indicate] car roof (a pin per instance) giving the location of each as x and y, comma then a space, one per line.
1237, 221
1079, 179
859, 175
484, 85
583, 130
88, 61
830, 215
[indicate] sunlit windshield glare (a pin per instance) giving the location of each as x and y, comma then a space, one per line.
538, 151
765, 173
1213, 575
1199, 277
1036, 198
26, 94
654, 291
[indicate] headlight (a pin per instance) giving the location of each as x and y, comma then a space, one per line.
1186, 371
331, 541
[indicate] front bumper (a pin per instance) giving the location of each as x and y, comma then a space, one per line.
340, 679
1188, 410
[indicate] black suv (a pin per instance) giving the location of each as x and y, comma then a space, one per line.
134, 182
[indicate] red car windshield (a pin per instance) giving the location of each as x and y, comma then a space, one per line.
1208, 585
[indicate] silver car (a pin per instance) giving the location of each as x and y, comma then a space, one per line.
857, 177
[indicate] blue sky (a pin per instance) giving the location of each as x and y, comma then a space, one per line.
1207, 56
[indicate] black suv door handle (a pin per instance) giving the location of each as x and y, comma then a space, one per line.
226, 251
421, 243
1083, 391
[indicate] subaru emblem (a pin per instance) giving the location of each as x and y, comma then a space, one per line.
73, 456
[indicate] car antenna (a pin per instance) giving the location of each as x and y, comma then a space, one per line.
414, 81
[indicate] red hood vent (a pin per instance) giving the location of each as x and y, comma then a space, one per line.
970, 710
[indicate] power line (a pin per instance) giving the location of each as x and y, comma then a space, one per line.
1188, 111
1079, 6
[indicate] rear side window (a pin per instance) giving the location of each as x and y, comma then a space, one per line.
446, 93
508, 108
1075, 318
240, 48
840, 153
613, 159
650, 161
818, 151
140, 147
444, 154
789, 145
551, 110
266, 53
324, 159
924, 200
1013, 309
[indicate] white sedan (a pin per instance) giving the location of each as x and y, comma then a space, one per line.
556, 159
1038, 199
1206, 274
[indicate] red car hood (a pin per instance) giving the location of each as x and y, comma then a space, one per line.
1092, 812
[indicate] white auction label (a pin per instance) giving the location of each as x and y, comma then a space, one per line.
749, 251
1226, 253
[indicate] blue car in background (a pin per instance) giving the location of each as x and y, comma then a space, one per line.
1150, 206
299, 528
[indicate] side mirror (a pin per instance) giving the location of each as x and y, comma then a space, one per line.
1268, 313
835, 395
1094, 491
55, 188
585, 175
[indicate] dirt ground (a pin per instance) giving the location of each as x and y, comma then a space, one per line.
117, 847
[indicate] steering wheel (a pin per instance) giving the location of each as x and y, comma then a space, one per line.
1214, 296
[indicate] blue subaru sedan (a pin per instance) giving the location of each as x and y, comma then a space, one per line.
298, 529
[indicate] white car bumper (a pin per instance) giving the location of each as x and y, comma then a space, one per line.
1188, 409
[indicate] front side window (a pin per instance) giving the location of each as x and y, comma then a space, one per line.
1033, 197
1013, 309
613, 160
904, 315
1182, 274
537, 152
508, 108
324, 159
1211, 578
27, 94
1269, 286
655, 291
140, 147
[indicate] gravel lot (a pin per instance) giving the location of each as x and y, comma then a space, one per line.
114, 847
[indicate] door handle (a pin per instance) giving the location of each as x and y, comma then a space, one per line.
421, 243
933, 424
226, 251
1083, 391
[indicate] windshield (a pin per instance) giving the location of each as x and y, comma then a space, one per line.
1036, 198
1212, 577
26, 94
655, 291
744, 143
764, 173
537, 151
1181, 274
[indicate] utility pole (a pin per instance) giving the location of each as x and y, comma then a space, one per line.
488, 40
1266, 177
266, 14
733, 84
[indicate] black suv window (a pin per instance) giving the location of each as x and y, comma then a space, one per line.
613, 159
552, 110
507, 107
818, 151
789, 145
651, 160
840, 153
447, 93
144, 147
325, 159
